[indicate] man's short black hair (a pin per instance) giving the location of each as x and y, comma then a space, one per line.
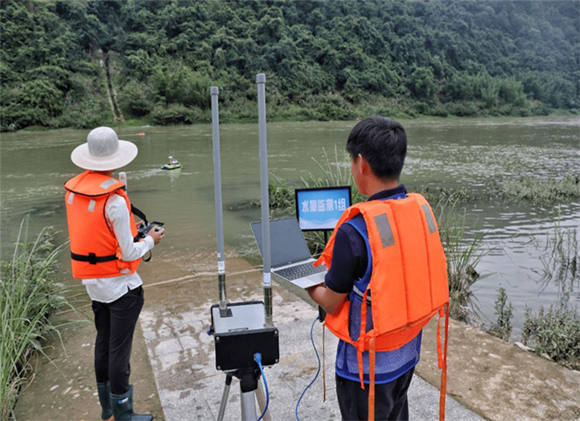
382, 142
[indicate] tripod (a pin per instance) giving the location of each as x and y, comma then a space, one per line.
249, 385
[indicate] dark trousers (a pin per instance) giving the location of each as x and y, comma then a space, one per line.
115, 323
390, 399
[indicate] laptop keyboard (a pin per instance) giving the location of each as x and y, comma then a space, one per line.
299, 271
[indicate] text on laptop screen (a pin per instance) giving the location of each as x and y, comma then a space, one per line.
287, 245
320, 209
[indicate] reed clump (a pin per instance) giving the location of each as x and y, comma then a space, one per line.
536, 190
463, 255
561, 261
555, 332
335, 172
29, 294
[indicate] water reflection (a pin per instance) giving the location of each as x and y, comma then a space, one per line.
173, 176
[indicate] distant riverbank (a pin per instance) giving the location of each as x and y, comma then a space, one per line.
336, 110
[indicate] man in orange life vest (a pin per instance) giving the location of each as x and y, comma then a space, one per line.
105, 255
377, 147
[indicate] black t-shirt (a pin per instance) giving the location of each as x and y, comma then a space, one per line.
349, 256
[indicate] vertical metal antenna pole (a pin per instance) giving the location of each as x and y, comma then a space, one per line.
217, 179
261, 82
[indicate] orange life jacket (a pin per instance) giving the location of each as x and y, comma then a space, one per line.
95, 251
408, 284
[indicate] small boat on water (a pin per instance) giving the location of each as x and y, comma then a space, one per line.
173, 164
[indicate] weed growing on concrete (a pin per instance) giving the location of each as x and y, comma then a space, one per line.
554, 333
504, 311
29, 293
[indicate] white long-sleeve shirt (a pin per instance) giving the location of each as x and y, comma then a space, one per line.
107, 290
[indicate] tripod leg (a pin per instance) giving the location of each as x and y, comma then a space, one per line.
262, 401
249, 406
225, 397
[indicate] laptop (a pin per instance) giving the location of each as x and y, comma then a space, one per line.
289, 254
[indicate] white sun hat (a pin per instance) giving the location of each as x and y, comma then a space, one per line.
103, 151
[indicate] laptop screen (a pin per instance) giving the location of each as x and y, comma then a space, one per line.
319, 209
287, 245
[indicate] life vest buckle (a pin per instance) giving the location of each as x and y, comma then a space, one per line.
92, 259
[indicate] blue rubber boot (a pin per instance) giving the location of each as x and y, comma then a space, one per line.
123, 407
104, 391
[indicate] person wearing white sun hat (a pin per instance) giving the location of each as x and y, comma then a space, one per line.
105, 253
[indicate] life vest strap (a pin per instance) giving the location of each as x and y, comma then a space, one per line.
372, 362
92, 258
139, 213
444, 368
439, 348
323, 367
362, 336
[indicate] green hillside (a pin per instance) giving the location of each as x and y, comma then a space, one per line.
80, 63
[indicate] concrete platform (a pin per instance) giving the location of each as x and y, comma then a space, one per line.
190, 387
175, 377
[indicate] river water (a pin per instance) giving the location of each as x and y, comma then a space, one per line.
442, 153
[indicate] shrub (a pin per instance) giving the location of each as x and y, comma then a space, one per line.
504, 311
181, 86
463, 109
555, 333
422, 83
178, 114
332, 107
438, 111
133, 99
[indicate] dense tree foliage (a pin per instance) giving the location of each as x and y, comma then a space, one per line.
66, 63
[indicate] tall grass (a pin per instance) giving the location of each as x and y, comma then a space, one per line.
561, 261
462, 255
555, 332
29, 293
335, 172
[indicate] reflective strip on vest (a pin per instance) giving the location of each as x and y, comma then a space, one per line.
360, 293
385, 230
92, 204
71, 196
430, 221
106, 184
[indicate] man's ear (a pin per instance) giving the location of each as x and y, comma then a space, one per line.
364, 165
